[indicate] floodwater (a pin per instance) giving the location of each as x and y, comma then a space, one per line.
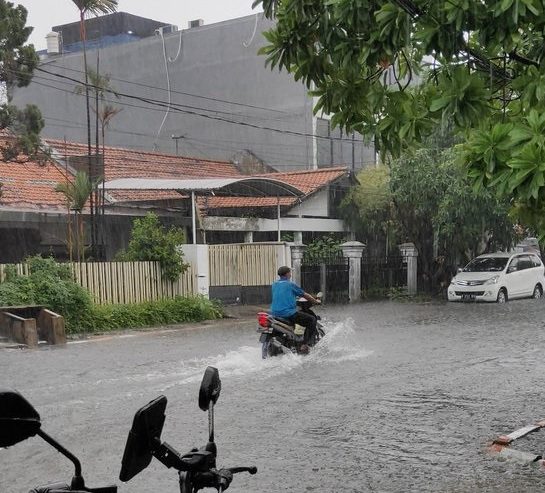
398, 397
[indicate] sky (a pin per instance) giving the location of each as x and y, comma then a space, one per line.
44, 14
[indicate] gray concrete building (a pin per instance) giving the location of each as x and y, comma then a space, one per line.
203, 92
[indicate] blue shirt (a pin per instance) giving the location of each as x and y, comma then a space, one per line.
284, 297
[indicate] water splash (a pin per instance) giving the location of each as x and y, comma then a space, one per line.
337, 346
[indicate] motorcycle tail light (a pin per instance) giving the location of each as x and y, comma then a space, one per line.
263, 319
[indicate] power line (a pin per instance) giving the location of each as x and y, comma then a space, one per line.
179, 108
207, 98
115, 92
342, 140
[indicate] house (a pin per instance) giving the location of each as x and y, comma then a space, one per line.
315, 213
202, 91
34, 217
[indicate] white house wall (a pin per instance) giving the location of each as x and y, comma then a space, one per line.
315, 206
286, 224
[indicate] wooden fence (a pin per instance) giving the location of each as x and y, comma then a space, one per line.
242, 264
125, 282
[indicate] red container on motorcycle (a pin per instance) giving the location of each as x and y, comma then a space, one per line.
263, 319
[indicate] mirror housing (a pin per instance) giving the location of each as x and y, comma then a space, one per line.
210, 388
143, 438
18, 418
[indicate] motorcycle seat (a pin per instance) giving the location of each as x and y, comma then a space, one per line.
284, 321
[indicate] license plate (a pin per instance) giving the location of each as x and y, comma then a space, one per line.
468, 297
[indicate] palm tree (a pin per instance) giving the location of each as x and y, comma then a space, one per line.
104, 113
77, 193
95, 7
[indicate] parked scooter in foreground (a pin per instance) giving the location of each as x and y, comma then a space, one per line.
281, 336
197, 469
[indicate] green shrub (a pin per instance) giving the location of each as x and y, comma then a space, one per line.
153, 313
49, 284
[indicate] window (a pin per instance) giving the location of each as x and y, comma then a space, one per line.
486, 264
536, 261
514, 265
525, 262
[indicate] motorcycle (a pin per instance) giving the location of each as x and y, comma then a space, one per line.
280, 336
197, 469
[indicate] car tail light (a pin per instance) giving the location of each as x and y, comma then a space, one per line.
263, 319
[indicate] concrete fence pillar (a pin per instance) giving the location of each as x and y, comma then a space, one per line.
249, 237
197, 255
297, 252
323, 281
410, 257
354, 251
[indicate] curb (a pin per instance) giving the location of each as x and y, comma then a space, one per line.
501, 446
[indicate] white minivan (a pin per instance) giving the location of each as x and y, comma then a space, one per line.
499, 277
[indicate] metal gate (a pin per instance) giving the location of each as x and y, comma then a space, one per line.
381, 273
326, 274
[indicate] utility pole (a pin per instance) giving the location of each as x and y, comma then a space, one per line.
176, 138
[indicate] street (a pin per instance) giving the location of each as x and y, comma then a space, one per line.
398, 397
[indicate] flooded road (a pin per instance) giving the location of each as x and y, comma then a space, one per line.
399, 397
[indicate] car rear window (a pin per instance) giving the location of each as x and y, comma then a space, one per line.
486, 264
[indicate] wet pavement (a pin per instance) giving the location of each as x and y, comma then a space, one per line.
398, 397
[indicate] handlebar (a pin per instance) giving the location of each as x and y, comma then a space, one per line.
220, 479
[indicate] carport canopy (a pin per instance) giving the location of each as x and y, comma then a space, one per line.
246, 187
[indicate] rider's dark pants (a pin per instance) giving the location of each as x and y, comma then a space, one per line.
307, 321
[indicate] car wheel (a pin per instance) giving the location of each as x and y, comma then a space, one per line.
538, 292
502, 296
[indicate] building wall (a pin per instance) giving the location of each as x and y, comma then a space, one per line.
217, 61
315, 206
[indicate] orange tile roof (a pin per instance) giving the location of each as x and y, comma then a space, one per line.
31, 185
127, 163
309, 181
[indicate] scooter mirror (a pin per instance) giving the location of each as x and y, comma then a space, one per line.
144, 435
210, 388
18, 419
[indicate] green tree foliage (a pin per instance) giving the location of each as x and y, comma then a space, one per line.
427, 198
439, 211
369, 208
398, 69
17, 62
322, 248
151, 241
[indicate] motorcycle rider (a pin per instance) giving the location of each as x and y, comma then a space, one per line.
284, 304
